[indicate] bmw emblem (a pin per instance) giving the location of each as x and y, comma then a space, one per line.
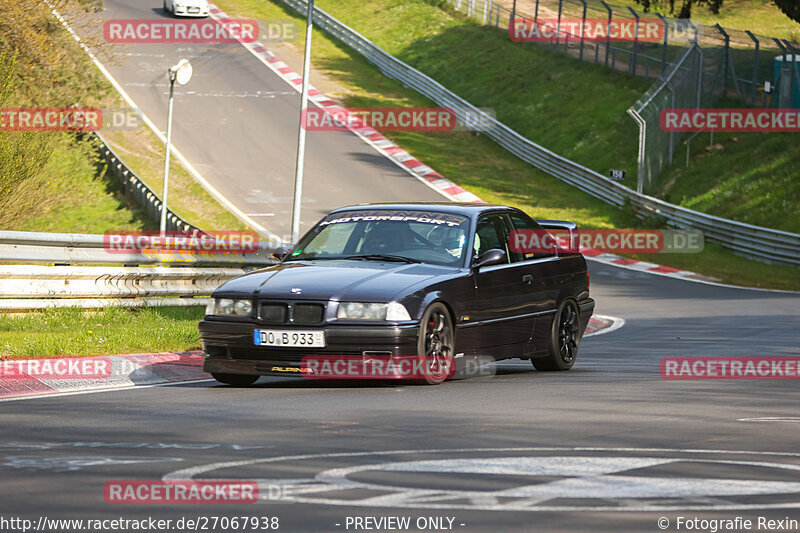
296, 290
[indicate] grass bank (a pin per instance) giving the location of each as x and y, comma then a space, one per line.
64, 332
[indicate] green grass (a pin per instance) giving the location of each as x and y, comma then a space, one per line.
759, 16
75, 198
750, 177
459, 52
64, 332
144, 154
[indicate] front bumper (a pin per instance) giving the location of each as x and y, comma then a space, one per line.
190, 12
229, 348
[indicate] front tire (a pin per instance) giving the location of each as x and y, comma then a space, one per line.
437, 342
236, 380
565, 337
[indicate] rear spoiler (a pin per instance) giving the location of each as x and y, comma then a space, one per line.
558, 224
562, 225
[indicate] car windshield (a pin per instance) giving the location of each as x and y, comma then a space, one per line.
387, 235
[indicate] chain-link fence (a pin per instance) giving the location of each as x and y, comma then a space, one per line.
694, 65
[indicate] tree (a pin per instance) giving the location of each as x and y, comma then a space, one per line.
791, 8
685, 9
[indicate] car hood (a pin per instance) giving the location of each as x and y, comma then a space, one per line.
336, 280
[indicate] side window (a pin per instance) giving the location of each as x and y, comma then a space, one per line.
520, 223
490, 233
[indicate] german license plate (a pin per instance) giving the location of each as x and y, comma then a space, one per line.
292, 338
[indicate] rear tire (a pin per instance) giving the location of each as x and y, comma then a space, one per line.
236, 380
564, 339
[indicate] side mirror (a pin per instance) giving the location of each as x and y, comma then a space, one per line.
281, 252
495, 256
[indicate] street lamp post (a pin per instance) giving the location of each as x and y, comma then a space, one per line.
301, 136
182, 73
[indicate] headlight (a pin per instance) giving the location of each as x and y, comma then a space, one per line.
229, 307
372, 311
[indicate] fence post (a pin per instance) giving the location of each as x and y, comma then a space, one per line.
699, 55
671, 133
632, 63
664, 46
794, 76
536, 12
725, 57
776, 101
486, 12
608, 31
583, 29
755, 68
558, 22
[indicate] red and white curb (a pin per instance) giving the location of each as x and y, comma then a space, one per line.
369, 135
425, 173
600, 324
640, 266
19, 377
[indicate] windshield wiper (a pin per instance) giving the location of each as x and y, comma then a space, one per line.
383, 257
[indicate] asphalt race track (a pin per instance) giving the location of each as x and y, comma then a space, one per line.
237, 122
608, 446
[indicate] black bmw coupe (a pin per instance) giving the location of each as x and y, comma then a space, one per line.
387, 282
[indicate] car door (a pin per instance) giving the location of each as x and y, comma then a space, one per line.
544, 275
502, 307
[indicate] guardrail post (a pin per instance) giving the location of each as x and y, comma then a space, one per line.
632, 65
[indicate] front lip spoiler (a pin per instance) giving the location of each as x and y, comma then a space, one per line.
404, 368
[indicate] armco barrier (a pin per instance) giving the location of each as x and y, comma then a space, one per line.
757, 242
77, 249
179, 279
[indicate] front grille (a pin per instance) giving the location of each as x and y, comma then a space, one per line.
308, 313
273, 313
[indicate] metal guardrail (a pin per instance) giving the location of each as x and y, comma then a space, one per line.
77, 249
765, 244
178, 280
28, 281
